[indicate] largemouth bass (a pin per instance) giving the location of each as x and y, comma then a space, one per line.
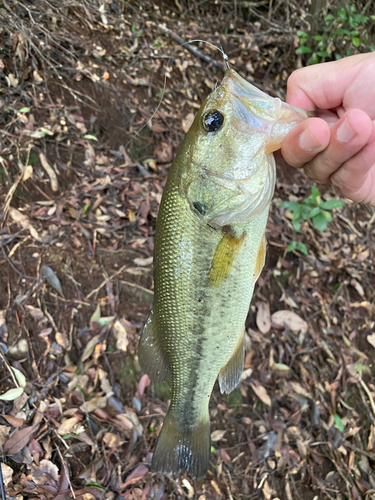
210, 248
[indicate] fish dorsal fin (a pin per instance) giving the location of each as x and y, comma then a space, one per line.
151, 356
230, 374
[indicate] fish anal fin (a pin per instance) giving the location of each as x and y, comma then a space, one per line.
150, 353
224, 257
181, 448
230, 374
261, 258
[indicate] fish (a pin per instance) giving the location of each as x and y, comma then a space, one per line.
209, 250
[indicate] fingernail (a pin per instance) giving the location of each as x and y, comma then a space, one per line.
308, 142
344, 132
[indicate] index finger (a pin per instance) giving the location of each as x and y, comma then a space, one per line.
324, 85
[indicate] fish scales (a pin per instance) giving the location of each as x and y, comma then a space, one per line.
209, 252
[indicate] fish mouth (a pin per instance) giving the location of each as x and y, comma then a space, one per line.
267, 110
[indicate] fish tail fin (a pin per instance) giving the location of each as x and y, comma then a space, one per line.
179, 449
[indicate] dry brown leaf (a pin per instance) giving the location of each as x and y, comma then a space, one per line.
16, 422
121, 335
217, 435
263, 318
136, 475
7, 473
122, 422
19, 439
4, 434
89, 349
68, 425
46, 472
112, 440
371, 439
371, 339
93, 404
290, 319
187, 122
62, 339
261, 392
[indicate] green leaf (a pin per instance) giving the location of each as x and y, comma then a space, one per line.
303, 50
318, 38
329, 17
24, 110
282, 367
327, 215
356, 41
315, 193
85, 208
296, 225
96, 315
360, 368
90, 137
360, 18
290, 205
320, 222
303, 248
21, 379
303, 40
12, 394
341, 31
314, 212
314, 59
331, 204
301, 33
323, 53
338, 422
212, 449
342, 14
291, 246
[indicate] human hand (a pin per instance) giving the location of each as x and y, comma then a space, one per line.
337, 147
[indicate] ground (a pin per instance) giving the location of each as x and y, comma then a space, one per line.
80, 195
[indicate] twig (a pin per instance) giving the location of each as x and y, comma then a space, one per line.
193, 50
369, 395
365, 453
96, 290
134, 285
10, 371
2, 489
50, 172
350, 224
66, 471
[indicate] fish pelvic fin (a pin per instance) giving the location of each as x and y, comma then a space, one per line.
224, 257
151, 356
183, 448
230, 374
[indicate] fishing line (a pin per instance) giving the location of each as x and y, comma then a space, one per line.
225, 59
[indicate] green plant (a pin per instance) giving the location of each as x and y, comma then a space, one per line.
310, 208
340, 35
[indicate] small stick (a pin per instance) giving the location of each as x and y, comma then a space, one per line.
193, 50
106, 281
50, 172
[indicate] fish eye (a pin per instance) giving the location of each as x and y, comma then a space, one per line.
213, 121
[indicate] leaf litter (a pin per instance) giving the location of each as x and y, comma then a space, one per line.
76, 242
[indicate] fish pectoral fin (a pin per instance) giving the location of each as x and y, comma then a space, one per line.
181, 448
261, 258
224, 257
230, 374
151, 356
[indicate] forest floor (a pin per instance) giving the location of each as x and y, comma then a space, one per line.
79, 205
